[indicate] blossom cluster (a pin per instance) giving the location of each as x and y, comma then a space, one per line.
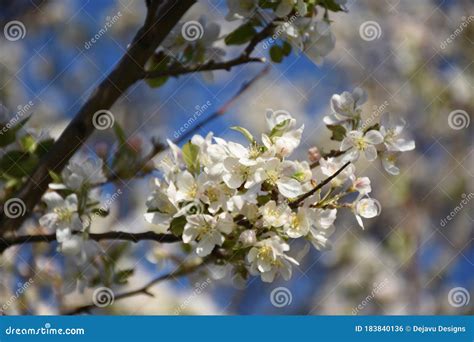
295, 23
251, 201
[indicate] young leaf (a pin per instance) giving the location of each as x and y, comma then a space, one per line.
18, 164
245, 133
276, 54
177, 225
190, 157
286, 48
338, 132
241, 35
121, 277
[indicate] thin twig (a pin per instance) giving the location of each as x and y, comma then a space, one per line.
223, 109
319, 186
332, 153
145, 290
161, 17
209, 66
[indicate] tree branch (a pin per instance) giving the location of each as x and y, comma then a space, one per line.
113, 235
182, 271
209, 66
161, 17
319, 186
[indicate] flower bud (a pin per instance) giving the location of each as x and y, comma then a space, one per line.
101, 149
313, 154
248, 237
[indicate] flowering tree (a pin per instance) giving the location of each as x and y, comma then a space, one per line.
234, 207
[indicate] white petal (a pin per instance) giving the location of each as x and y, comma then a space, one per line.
290, 188
370, 153
53, 199
373, 137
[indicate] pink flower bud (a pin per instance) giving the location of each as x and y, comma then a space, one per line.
313, 154
101, 149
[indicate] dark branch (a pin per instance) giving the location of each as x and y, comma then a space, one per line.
318, 187
161, 17
145, 290
114, 235
209, 66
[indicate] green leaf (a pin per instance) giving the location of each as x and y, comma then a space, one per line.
158, 62
338, 132
177, 225
331, 5
28, 143
18, 163
244, 132
120, 133
241, 35
8, 134
276, 54
375, 126
190, 157
116, 252
55, 177
286, 48
279, 129
121, 277
43, 147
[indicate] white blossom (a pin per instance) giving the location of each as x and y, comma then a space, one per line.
207, 231
357, 141
367, 208
267, 258
391, 128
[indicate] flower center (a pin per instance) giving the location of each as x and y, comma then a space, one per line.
265, 253
64, 215
204, 230
212, 194
360, 143
272, 177
192, 191
295, 221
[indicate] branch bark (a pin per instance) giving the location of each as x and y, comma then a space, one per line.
209, 66
161, 17
142, 290
319, 186
6, 243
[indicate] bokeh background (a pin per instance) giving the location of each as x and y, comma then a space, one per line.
406, 261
